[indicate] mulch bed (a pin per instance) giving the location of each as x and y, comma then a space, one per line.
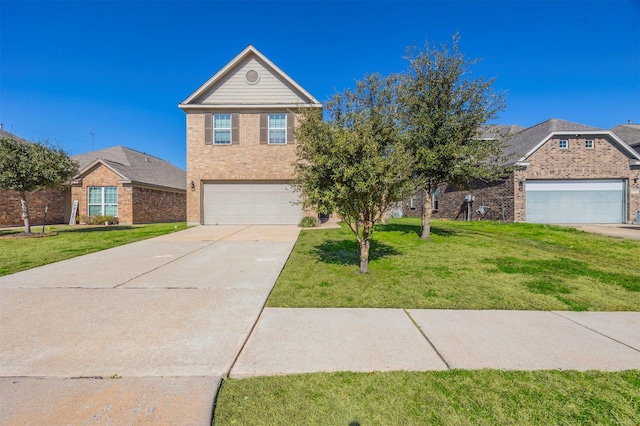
23, 235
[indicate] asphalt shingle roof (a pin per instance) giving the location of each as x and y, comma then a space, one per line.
524, 141
630, 133
136, 166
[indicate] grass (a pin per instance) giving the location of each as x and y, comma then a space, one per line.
465, 265
18, 254
455, 397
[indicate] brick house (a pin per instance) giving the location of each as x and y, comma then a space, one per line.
134, 186
564, 173
52, 199
240, 144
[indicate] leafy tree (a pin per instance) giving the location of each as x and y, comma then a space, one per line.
442, 110
26, 167
353, 164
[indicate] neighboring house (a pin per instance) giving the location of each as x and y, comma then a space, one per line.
630, 133
241, 145
51, 199
564, 173
131, 185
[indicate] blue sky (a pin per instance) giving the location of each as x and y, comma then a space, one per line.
120, 68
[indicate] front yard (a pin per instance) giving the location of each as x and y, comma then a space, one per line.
19, 254
465, 265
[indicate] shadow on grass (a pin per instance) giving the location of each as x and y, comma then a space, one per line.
100, 229
548, 274
413, 229
346, 252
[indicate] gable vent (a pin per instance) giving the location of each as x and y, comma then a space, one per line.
252, 77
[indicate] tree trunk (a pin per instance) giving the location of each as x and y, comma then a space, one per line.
365, 244
25, 212
427, 210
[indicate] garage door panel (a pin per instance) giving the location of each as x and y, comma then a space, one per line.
597, 201
250, 203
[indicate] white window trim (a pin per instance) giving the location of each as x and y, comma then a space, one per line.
566, 144
269, 128
102, 203
586, 144
215, 142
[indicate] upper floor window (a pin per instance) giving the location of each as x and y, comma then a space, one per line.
222, 129
588, 143
277, 128
563, 144
103, 201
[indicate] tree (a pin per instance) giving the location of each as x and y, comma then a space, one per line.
442, 110
26, 167
353, 164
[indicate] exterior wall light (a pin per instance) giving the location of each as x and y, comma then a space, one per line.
192, 185
520, 184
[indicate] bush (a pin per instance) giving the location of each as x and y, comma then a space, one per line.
308, 222
99, 220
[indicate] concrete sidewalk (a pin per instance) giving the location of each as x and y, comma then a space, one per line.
291, 341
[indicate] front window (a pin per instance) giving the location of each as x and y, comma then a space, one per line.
588, 143
222, 129
563, 144
277, 128
103, 201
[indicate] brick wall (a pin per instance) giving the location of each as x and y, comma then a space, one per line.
154, 205
11, 210
249, 160
103, 176
496, 198
603, 161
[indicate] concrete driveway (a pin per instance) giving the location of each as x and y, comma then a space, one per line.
137, 333
613, 230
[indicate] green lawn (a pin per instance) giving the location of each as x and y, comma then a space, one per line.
456, 397
18, 254
465, 265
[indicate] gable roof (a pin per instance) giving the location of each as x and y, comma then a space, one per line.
134, 166
630, 133
5, 134
195, 100
519, 147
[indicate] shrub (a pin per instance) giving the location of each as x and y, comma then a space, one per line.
308, 222
98, 220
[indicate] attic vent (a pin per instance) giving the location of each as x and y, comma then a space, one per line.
252, 77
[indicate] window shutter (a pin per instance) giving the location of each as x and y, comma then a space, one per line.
208, 128
264, 131
235, 128
290, 127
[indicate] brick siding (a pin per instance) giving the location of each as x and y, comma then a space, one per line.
153, 205
247, 161
135, 204
11, 210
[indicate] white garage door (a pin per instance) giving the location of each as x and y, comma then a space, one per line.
575, 201
250, 203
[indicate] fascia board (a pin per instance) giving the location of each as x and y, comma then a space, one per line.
609, 133
208, 107
248, 50
95, 163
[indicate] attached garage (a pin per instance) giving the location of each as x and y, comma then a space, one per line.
576, 201
259, 203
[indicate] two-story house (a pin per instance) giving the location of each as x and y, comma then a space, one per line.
241, 144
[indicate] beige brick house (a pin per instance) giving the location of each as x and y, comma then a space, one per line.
241, 146
133, 186
564, 173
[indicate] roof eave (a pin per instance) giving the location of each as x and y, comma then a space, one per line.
185, 107
609, 133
